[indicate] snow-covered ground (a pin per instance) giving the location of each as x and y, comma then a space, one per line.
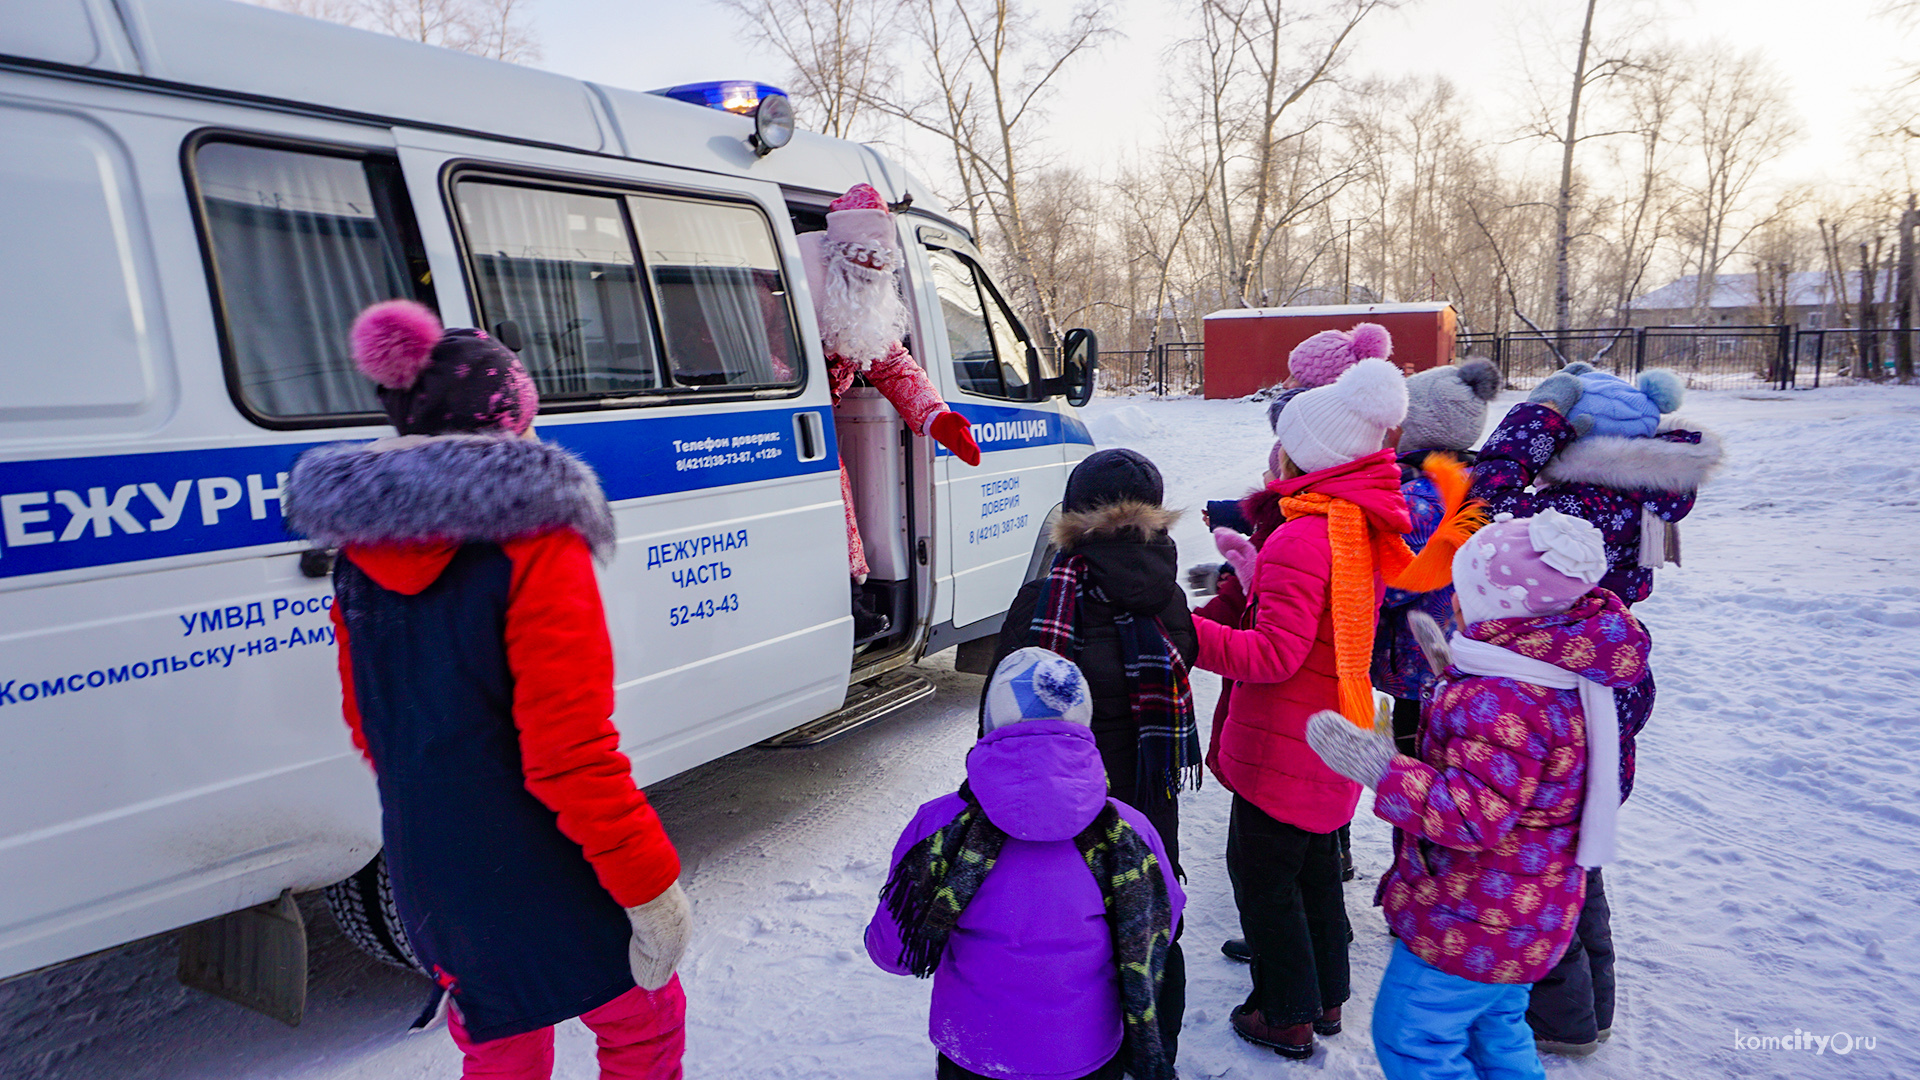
1769, 884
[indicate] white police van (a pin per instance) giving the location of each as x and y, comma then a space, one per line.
196, 196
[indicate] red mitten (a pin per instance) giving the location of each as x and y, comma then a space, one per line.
955, 432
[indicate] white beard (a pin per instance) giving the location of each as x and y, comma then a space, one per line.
862, 315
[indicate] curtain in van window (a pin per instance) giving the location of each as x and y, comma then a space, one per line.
561, 265
723, 301
300, 247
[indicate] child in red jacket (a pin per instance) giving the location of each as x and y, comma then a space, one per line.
531, 876
1303, 644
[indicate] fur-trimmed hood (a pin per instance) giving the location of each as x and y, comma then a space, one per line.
1635, 464
445, 488
1124, 520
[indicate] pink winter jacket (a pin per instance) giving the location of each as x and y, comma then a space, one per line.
1281, 654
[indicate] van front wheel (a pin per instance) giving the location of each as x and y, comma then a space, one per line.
363, 907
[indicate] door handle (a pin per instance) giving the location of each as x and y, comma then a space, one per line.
809, 436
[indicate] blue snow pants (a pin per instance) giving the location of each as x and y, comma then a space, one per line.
1429, 1025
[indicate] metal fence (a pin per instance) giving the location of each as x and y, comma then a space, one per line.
1707, 357
1171, 367
1853, 355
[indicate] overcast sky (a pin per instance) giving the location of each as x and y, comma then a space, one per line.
1834, 55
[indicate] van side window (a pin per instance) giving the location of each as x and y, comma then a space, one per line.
301, 241
989, 354
560, 265
723, 302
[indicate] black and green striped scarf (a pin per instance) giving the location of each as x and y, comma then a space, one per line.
937, 878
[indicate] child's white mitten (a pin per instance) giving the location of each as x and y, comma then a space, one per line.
1432, 641
662, 927
1360, 756
1204, 580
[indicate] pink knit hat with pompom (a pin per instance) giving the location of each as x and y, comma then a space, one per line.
435, 381
1320, 359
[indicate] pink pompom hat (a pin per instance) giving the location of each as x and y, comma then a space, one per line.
435, 381
1320, 359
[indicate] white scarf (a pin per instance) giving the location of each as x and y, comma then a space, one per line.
1600, 813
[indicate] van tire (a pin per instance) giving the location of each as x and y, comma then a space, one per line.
363, 907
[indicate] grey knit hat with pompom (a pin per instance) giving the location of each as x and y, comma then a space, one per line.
1447, 406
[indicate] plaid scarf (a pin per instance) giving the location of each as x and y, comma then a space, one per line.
938, 877
1157, 689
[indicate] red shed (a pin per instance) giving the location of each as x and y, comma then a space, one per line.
1246, 348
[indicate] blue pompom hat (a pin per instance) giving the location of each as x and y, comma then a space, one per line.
1036, 684
1626, 409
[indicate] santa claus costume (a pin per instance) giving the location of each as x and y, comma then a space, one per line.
853, 274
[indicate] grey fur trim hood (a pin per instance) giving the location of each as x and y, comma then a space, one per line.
1634, 464
459, 488
1145, 520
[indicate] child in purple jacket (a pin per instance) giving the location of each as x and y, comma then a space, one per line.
1515, 789
1040, 906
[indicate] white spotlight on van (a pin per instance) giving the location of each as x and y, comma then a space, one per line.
771, 109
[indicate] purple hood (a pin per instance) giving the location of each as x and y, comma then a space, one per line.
1039, 780
1028, 986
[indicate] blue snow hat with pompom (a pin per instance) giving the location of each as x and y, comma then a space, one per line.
1035, 684
1626, 409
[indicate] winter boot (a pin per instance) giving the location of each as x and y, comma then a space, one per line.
1236, 949
1329, 1022
867, 623
1293, 1041
1564, 1049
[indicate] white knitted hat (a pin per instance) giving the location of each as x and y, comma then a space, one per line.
1332, 425
1035, 684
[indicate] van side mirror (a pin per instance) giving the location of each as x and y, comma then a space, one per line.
507, 332
1079, 361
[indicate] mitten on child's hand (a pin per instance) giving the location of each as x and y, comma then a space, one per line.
1239, 553
1559, 392
661, 929
955, 432
1204, 580
1360, 756
1432, 640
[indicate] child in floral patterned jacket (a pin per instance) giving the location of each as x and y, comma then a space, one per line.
1597, 447
1514, 791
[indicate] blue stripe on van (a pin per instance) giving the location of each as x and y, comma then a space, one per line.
997, 427
70, 513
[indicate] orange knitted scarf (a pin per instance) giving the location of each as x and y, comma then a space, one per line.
1359, 550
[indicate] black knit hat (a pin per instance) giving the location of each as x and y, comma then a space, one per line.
1111, 476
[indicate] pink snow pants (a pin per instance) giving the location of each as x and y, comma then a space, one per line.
641, 1037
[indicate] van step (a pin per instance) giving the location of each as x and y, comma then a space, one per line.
865, 703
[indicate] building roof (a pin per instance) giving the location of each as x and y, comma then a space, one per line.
1328, 309
1805, 288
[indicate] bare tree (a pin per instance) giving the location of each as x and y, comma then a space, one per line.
1642, 213
838, 51
988, 67
1594, 64
492, 28
1259, 60
1739, 123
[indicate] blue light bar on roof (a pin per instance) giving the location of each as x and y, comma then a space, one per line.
730, 95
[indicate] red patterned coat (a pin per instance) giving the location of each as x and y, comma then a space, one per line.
1483, 883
